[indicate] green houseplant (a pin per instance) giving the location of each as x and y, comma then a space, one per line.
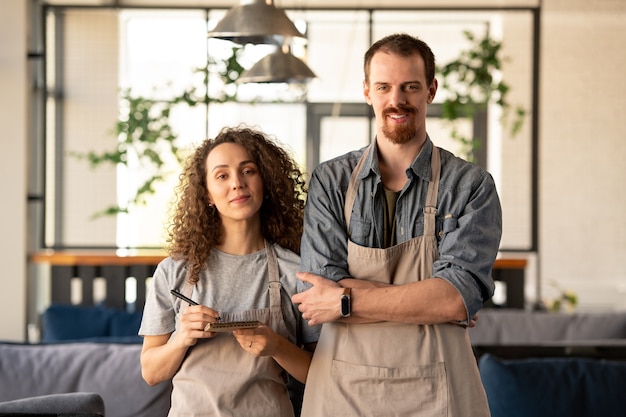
471, 85
145, 135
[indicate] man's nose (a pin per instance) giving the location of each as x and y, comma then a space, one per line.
398, 96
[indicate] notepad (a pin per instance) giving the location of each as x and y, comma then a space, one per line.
229, 326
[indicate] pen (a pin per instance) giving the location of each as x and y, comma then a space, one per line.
182, 297
187, 299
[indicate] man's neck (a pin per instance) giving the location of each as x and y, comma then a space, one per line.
394, 159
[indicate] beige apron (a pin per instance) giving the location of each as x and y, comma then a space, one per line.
219, 378
389, 368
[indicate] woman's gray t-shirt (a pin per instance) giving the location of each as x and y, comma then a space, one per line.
230, 284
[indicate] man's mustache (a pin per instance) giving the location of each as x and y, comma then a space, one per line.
403, 108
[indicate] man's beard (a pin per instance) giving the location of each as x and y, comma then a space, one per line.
400, 134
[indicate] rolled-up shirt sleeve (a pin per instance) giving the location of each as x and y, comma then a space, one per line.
470, 242
324, 241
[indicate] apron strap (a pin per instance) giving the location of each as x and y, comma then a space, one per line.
352, 188
430, 208
187, 288
274, 277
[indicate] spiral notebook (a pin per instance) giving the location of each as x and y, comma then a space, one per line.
229, 326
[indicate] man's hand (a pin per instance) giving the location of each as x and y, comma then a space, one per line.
322, 302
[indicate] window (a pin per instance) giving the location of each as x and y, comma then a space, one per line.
92, 54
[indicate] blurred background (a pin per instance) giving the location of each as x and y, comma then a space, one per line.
76, 75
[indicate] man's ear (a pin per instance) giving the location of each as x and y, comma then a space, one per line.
366, 93
432, 90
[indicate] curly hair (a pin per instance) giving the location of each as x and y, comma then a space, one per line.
196, 227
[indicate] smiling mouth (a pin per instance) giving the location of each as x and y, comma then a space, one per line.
399, 114
398, 117
240, 199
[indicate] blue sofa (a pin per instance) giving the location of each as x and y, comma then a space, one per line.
67, 323
554, 386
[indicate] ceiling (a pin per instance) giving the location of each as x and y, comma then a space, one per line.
298, 4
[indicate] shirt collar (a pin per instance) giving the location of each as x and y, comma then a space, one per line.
420, 166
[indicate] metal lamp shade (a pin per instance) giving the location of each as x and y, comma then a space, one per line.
256, 22
277, 67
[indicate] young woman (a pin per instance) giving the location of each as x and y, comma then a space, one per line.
233, 246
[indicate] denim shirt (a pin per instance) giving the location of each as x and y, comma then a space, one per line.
468, 220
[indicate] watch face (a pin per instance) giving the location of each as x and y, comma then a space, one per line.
345, 305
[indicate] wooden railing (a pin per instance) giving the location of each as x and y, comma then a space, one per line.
111, 279
108, 278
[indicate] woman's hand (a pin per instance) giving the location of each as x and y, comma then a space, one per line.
259, 341
263, 341
193, 321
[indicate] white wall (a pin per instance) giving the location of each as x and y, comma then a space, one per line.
13, 110
582, 151
582, 146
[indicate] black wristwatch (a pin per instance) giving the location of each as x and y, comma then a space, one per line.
345, 302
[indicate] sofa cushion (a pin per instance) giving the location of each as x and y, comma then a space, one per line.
63, 323
70, 322
124, 324
553, 387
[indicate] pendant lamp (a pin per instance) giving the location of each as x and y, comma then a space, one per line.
280, 66
256, 22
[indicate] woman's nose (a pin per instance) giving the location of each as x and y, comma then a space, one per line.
237, 182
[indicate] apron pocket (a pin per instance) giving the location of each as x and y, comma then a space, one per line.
361, 390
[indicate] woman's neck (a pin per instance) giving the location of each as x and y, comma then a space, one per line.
241, 240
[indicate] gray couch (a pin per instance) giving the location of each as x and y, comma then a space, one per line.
542, 364
111, 370
517, 349
520, 327
75, 404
